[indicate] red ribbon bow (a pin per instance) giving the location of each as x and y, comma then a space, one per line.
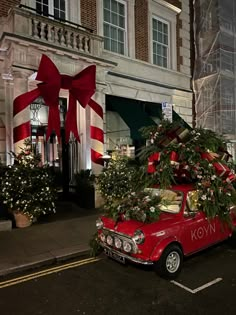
81, 88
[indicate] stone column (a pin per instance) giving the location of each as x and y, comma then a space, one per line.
20, 87
8, 118
97, 122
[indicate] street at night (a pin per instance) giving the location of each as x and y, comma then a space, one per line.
103, 286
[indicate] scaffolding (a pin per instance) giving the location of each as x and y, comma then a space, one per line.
214, 78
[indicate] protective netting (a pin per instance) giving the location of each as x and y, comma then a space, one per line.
215, 65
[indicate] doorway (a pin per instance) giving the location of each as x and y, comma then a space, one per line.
53, 153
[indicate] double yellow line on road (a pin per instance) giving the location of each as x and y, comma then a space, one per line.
46, 272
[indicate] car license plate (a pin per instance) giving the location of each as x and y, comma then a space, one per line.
114, 256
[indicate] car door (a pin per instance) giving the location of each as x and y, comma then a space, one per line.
198, 231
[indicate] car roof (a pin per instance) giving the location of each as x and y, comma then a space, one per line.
181, 187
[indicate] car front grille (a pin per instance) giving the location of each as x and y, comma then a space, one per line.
118, 241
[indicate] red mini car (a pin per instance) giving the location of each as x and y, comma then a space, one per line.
181, 230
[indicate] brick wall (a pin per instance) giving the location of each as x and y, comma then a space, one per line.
141, 29
88, 14
5, 5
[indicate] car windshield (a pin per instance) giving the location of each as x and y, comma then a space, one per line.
171, 200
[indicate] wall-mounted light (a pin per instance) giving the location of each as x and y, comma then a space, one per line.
106, 158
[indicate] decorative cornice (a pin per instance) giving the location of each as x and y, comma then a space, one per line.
168, 5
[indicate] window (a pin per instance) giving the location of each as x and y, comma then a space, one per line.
162, 33
160, 41
114, 26
57, 8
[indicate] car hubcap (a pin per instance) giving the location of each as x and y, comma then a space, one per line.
173, 262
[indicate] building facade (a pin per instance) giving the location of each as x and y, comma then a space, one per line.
214, 74
141, 50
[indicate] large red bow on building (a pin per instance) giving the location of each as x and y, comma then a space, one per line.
81, 88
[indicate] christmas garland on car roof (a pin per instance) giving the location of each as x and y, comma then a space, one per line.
176, 154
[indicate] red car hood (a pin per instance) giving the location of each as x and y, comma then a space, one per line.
130, 226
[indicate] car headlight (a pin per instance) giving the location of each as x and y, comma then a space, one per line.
102, 237
127, 247
99, 223
138, 237
109, 240
117, 242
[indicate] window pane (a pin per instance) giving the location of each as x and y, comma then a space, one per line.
56, 13
165, 41
114, 6
155, 59
121, 9
154, 47
154, 35
121, 48
165, 29
106, 4
122, 21
159, 26
114, 33
114, 46
106, 30
56, 4
107, 44
165, 62
106, 15
38, 7
159, 37
164, 51
63, 5
62, 15
154, 22
159, 60
114, 18
121, 36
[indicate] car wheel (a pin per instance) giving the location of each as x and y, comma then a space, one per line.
232, 240
170, 263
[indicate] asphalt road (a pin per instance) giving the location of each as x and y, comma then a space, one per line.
207, 285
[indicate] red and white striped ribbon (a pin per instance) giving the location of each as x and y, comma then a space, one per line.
22, 130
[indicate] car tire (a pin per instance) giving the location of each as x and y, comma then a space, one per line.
232, 240
170, 263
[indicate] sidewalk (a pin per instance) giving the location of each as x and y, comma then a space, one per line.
58, 238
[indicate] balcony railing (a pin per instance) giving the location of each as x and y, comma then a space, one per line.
52, 32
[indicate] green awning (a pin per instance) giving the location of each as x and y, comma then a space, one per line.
137, 114
132, 112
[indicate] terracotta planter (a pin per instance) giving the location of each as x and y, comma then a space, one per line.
21, 219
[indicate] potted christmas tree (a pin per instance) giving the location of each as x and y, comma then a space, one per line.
27, 189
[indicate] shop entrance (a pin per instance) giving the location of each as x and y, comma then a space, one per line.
53, 153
